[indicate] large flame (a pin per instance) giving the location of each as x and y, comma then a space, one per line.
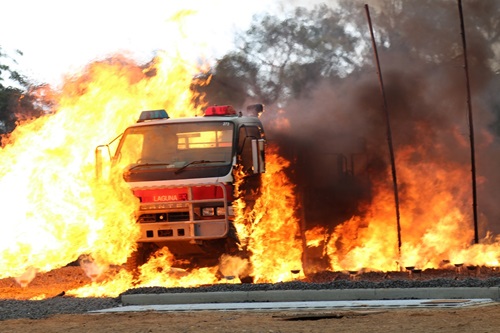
53, 209
56, 210
270, 228
275, 241
435, 222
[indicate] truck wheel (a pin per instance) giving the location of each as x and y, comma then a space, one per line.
246, 279
233, 248
232, 240
139, 257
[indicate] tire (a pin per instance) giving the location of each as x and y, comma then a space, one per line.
139, 257
232, 241
233, 248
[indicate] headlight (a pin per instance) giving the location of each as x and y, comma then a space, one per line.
207, 211
221, 211
215, 211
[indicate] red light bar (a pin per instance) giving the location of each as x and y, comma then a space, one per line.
220, 110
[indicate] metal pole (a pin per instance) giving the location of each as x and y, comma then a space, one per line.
471, 124
389, 133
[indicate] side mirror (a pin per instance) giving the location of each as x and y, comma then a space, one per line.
258, 155
102, 154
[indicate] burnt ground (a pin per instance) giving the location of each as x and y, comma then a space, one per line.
60, 313
57, 282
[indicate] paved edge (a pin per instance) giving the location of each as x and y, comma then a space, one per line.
315, 306
311, 295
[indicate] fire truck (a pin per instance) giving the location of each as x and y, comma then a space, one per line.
183, 172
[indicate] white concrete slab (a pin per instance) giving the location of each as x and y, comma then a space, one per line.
311, 295
308, 305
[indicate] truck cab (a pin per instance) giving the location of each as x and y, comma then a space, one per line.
183, 173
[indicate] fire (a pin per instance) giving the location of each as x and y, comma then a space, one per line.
435, 222
158, 271
57, 211
53, 208
271, 228
315, 236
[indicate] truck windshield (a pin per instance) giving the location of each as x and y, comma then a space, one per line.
175, 145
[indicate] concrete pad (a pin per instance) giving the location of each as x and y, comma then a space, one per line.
310, 305
492, 293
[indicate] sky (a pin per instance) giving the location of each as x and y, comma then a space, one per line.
59, 37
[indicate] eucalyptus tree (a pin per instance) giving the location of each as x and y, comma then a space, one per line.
281, 57
17, 98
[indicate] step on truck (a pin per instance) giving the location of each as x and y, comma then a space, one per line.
183, 172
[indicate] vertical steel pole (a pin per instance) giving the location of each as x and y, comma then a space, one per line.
389, 133
471, 124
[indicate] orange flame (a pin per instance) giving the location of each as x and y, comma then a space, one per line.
53, 208
435, 223
271, 228
57, 211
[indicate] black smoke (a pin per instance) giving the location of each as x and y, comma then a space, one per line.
337, 137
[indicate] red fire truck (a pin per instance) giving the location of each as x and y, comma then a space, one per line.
183, 172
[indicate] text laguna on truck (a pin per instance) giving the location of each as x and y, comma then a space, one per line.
183, 172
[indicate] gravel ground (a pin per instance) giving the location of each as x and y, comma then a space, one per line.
12, 304
14, 309
342, 284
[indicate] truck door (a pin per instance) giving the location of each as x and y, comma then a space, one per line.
248, 136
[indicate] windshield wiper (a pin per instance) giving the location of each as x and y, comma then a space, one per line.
182, 168
141, 165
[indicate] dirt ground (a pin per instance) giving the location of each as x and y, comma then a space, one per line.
481, 319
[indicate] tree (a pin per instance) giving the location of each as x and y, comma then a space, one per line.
16, 103
318, 66
282, 58
225, 85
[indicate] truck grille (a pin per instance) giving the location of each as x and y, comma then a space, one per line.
164, 217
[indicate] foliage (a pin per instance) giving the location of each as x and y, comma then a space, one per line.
16, 101
282, 58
